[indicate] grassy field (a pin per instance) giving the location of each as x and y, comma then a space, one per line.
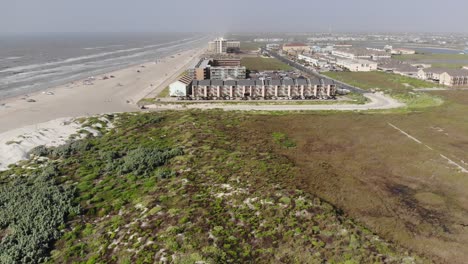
422, 57
400, 188
449, 65
398, 86
164, 93
181, 187
251, 46
264, 64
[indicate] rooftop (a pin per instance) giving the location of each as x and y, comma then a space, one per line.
258, 82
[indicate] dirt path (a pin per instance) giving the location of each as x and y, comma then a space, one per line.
461, 168
377, 101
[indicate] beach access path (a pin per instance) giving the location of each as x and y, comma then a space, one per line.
377, 101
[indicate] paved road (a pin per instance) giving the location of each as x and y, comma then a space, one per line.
314, 73
377, 101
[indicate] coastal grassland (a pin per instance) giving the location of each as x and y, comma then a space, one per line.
403, 190
190, 186
352, 98
399, 87
449, 65
264, 64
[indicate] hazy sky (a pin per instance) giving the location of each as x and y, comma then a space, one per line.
233, 15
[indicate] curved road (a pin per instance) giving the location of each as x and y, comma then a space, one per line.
377, 101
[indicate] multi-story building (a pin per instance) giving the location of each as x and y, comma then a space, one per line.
449, 77
199, 71
315, 61
228, 72
454, 77
360, 53
224, 62
221, 45
255, 88
357, 65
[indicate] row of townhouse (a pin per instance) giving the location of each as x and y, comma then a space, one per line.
256, 88
448, 77
361, 53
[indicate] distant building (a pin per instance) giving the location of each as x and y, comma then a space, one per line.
273, 46
221, 45
268, 40
296, 47
291, 88
448, 77
406, 70
357, 65
315, 61
403, 51
430, 74
228, 72
454, 77
360, 53
180, 87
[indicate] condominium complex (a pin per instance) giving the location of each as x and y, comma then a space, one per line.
221, 45
219, 69
454, 77
286, 88
448, 77
227, 72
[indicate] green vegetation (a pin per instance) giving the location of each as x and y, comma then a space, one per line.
449, 65
264, 64
357, 98
429, 56
399, 188
251, 46
184, 187
164, 93
397, 86
32, 210
283, 140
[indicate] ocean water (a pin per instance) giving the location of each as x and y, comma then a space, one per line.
33, 62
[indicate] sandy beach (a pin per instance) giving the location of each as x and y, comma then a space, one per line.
49, 118
101, 95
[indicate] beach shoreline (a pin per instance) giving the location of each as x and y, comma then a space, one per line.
115, 91
51, 118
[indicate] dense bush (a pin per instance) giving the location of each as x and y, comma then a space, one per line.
71, 148
144, 161
40, 151
63, 151
31, 210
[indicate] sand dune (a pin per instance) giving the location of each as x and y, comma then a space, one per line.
16, 143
